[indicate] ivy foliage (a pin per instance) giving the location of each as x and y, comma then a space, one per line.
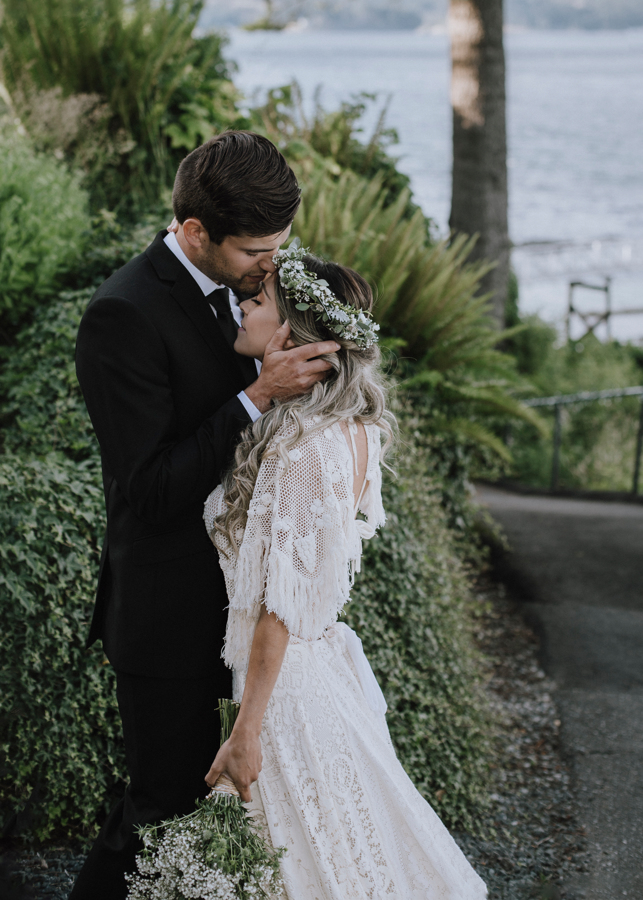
411, 608
61, 754
61, 757
43, 408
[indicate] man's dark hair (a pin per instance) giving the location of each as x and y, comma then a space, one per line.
236, 183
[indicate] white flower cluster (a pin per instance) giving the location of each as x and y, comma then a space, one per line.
310, 292
174, 868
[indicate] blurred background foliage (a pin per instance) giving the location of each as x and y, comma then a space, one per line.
119, 88
44, 228
99, 101
598, 438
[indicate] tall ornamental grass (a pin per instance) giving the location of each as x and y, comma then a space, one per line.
334, 139
427, 302
132, 68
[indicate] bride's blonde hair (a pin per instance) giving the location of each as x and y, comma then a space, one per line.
354, 387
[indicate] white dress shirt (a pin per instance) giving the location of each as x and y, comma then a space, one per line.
208, 286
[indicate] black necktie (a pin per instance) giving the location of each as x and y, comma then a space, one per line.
220, 299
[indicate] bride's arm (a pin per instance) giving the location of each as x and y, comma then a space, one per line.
240, 756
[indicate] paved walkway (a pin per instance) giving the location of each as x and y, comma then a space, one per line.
577, 568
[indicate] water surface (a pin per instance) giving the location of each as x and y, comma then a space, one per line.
575, 133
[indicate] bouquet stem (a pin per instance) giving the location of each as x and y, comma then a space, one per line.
216, 852
228, 712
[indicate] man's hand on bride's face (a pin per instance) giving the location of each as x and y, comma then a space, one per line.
289, 371
240, 758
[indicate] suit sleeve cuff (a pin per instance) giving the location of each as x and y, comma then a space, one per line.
249, 406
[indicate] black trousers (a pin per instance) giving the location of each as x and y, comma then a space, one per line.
171, 731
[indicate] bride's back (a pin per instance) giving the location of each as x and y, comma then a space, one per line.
355, 434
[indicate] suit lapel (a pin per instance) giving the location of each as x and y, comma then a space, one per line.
187, 293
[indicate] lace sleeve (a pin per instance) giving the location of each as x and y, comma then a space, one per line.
296, 556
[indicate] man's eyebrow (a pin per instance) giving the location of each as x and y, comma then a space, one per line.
259, 249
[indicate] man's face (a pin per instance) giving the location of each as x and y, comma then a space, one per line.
240, 262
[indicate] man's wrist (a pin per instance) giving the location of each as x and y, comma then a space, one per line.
261, 398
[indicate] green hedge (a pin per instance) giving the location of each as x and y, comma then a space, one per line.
411, 608
43, 408
60, 753
44, 226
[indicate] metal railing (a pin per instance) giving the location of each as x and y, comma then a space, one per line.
587, 397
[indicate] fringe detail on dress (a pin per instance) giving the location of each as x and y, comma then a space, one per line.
307, 607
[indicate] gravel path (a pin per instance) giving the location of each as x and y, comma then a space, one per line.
44, 874
537, 844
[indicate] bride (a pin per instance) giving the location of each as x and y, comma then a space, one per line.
288, 522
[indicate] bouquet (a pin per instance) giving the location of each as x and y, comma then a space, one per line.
215, 853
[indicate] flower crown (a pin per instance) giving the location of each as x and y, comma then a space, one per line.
310, 292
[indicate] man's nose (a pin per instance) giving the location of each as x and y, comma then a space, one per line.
267, 264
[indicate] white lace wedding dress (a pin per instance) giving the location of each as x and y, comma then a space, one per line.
332, 790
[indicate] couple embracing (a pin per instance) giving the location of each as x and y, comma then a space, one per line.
236, 384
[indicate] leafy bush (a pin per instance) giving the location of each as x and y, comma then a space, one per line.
598, 438
44, 226
43, 407
533, 339
120, 87
332, 139
410, 608
60, 753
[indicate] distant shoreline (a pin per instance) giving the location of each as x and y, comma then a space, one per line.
437, 29
210, 21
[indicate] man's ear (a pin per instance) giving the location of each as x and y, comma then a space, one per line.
195, 234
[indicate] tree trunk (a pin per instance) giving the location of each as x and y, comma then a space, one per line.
479, 193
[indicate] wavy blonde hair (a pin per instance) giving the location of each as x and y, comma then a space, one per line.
355, 387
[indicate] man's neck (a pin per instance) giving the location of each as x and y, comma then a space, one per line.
204, 281
189, 251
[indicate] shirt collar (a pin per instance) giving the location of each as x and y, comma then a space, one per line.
206, 284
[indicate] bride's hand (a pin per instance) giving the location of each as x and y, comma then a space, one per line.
240, 758
173, 226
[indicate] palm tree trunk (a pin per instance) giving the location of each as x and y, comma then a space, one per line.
479, 193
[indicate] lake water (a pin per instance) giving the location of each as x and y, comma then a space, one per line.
575, 125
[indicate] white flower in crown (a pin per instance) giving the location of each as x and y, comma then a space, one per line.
310, 292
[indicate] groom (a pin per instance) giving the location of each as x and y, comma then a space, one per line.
168, 399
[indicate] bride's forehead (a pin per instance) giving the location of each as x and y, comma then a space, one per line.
268, 287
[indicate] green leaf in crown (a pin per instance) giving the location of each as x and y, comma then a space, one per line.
310, 292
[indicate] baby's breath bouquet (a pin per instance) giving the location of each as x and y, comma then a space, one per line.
215, 853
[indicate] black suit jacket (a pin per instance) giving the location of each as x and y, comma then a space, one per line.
160, 383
